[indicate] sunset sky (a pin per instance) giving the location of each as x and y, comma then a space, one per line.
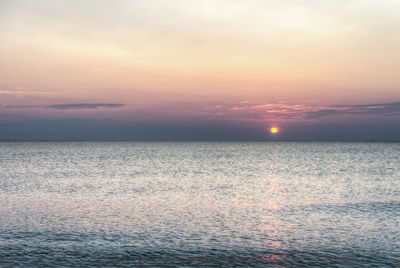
200, 70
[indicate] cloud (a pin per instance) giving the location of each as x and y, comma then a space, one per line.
70, 106
381, 109
21, 106
283, 111
250, 111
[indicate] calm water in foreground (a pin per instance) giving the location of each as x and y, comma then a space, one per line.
199, 204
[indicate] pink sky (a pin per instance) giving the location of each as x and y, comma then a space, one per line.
252, 61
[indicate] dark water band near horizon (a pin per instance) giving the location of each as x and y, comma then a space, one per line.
152, 204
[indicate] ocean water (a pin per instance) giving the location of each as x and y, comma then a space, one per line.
188, 204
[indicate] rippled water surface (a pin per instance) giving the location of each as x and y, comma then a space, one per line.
199, 204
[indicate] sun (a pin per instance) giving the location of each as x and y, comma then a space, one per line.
274, 130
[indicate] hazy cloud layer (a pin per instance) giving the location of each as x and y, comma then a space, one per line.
244, 121
241, 111
86, 129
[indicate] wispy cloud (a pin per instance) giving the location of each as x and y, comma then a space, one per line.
68, 106
21, 106
381, 109
284, 111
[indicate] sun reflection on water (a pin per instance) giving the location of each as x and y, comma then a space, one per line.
273, 236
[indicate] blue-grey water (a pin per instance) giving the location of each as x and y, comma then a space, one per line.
259, 204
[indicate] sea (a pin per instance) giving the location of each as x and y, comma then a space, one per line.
199, 204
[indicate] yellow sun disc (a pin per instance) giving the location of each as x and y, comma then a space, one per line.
274, 130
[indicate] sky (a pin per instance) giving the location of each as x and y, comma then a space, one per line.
199, 70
